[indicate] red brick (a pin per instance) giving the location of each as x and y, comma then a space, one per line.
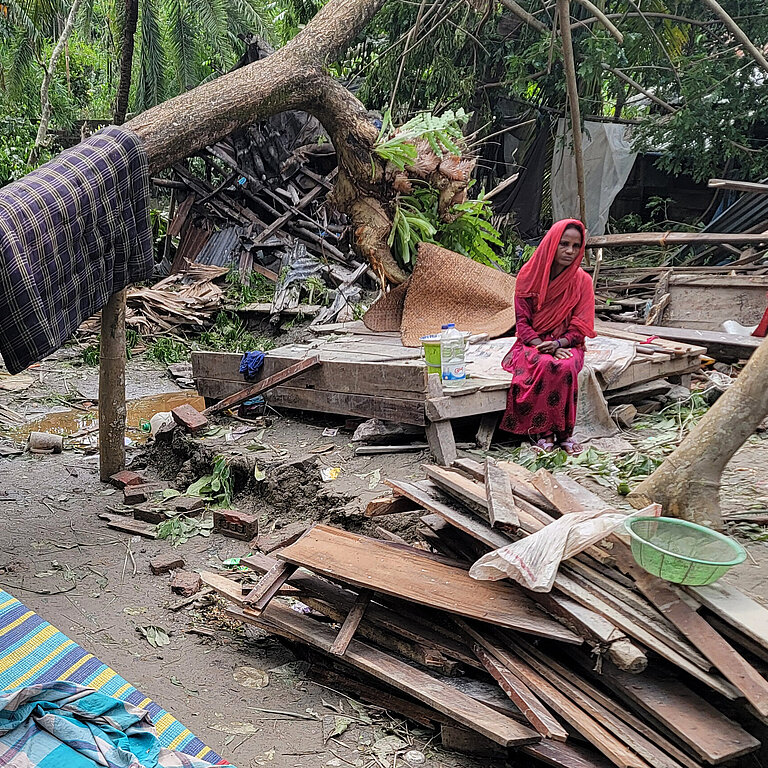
190, 418
165, 563
149, 513
189, 505
236, 525
136, 494
186, 583
126, 477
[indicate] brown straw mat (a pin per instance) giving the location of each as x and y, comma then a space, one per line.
447, 287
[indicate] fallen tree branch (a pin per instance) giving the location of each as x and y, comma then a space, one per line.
639, 88
603, 19
737, 32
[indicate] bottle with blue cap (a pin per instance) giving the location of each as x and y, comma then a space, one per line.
453, 367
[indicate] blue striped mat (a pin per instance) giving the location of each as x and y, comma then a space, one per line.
34, 651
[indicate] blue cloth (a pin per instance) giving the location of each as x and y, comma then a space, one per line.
250, 364
53, 725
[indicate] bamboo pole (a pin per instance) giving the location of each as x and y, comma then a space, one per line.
564, 15
112, 387
737, 32
603, 19
523, 15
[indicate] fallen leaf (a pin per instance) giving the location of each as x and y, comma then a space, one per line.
334, 725
157, 637
322, 448
251, 677
236, 729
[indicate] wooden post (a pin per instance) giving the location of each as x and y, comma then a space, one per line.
564, 14
112, 387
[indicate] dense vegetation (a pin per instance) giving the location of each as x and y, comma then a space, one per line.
436, 55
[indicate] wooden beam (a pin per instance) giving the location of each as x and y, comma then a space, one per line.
112, 412
673, 238
269, 585
739, 186
438, 695
501, 504
351, 623
525, 700
262, 386
439, 434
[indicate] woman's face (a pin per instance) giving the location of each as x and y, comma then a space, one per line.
568, 248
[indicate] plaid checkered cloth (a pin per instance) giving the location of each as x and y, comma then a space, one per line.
72, 233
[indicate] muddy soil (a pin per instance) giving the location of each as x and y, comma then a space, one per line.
95, 585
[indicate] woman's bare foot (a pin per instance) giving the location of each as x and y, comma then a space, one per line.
571, 447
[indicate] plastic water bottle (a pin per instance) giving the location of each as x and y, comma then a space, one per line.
454, 371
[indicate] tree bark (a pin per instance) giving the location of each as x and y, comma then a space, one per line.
292, 78
112, 387
126, 60
687, 484
45, 101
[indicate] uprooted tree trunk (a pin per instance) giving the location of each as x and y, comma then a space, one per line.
687, 484
294, 78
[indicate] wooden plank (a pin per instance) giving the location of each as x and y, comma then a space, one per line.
639, 632
559, 703
351, 623
364, 406
470, 524
263, 385
672, 238
400, 379
487, 429
731, 664
739, 186
689, 717
498, 491
738, 609
269, 585
416, 577
400, 623
469, 492
724, 346
439, 434
390, 505
473, 404
458, 706
603, 709
525, 700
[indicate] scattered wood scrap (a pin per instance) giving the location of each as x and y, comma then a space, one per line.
408, 618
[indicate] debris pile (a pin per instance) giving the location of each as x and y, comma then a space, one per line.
612, 666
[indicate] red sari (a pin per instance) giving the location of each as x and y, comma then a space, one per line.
542, 396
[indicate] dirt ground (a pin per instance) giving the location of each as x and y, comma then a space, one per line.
95, 585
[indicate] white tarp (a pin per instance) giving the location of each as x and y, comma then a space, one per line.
608, 160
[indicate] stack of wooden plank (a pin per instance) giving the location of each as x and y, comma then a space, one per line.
612, 667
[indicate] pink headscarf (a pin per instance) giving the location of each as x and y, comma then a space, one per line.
569, 296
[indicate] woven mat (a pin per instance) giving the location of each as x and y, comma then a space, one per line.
446, 287
34, 651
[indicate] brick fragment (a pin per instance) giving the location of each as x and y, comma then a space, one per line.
186, 583
188, 505
126, 477
149, 513
165, 563
136, 494
190, 418
236, 525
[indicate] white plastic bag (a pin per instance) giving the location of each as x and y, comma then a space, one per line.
534, 560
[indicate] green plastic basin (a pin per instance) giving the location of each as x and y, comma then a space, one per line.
682, 552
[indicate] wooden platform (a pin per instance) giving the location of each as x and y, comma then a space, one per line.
372, 375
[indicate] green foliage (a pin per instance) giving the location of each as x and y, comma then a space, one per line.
91, 354
443, 133
168, 350
217, 488
257, 288
180, 528
229, 334
465, 228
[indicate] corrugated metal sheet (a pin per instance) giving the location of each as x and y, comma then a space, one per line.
222, 248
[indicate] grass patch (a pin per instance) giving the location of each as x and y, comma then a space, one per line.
229, 334
168, 350
255, 289
92, 352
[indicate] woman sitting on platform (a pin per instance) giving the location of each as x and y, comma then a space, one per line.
554, 312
